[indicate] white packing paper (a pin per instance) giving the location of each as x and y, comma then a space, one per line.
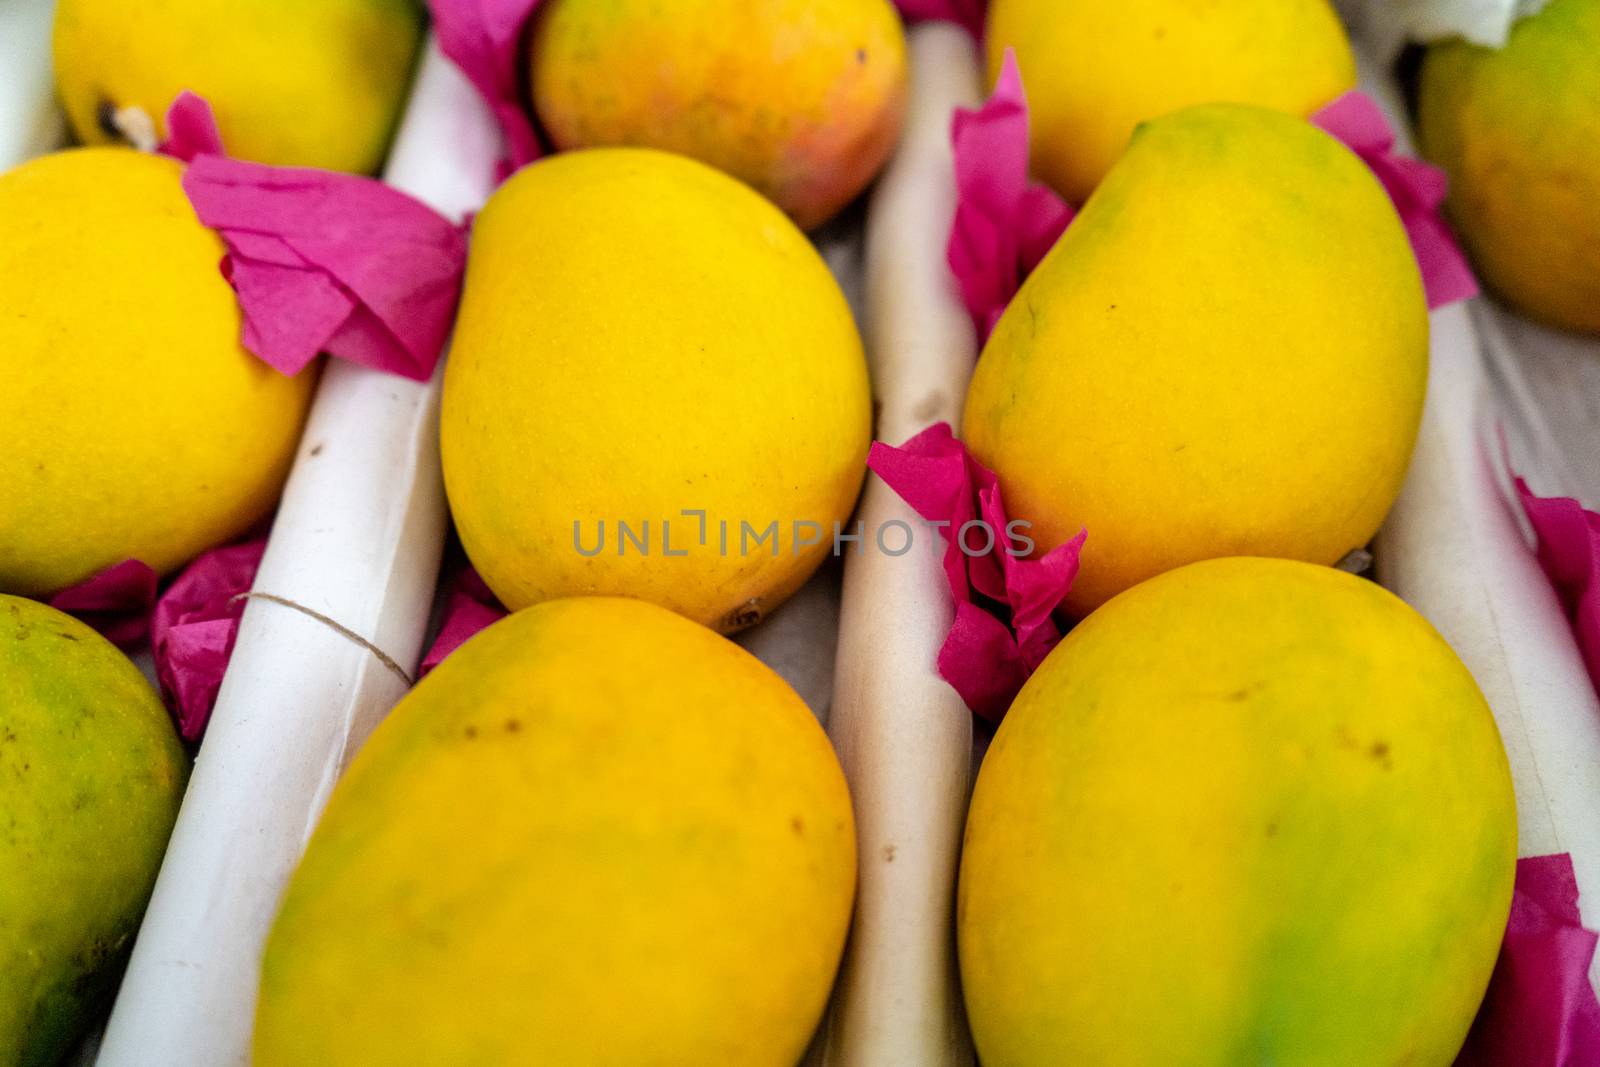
358, 540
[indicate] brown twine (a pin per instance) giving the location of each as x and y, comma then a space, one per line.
338, 628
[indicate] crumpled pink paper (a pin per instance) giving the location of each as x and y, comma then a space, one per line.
1417, 189
191, 129
968, 14
1569, 552
486, 39
116, 602
323, 262
1540, 1010
194, 627
985, 657
1005, 223
469, 607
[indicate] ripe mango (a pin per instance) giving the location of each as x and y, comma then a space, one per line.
598, 833
802, 99
91, 775
1518, 131
644, 341
1095, 70
132, 422
1225, 355
1252, 811
308, 83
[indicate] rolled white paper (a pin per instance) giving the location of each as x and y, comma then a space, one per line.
1547, 384
1387, 25
1453, 548
903, 735
30, 121
357, 539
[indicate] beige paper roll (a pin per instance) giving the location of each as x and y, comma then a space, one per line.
904, 736
1453, 549
30, 121
357, 539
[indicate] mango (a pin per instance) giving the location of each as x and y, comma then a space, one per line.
132, 422
1251, 811
802, 99
1518, 131
655, 390
598, 833
1225, 355
307, 83
1094, 70
91, 775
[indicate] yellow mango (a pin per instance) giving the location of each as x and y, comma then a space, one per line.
802, 99
1226, 354
132, 422
1518, 131
597, 834
303, 83
1095, 70
91, 775
646, 343
1252, 811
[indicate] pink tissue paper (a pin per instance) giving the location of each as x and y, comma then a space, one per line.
191, 129
1005, 604
193, 629
1005, 223
469, 607
1417, 189
1569, 552
968, 14
1540, 1010
324, 262
116, 602
486, 39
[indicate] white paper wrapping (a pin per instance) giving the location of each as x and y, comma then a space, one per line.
1547, 385
1454, 549
1387, 25
903, 735
30, 121
357, 540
